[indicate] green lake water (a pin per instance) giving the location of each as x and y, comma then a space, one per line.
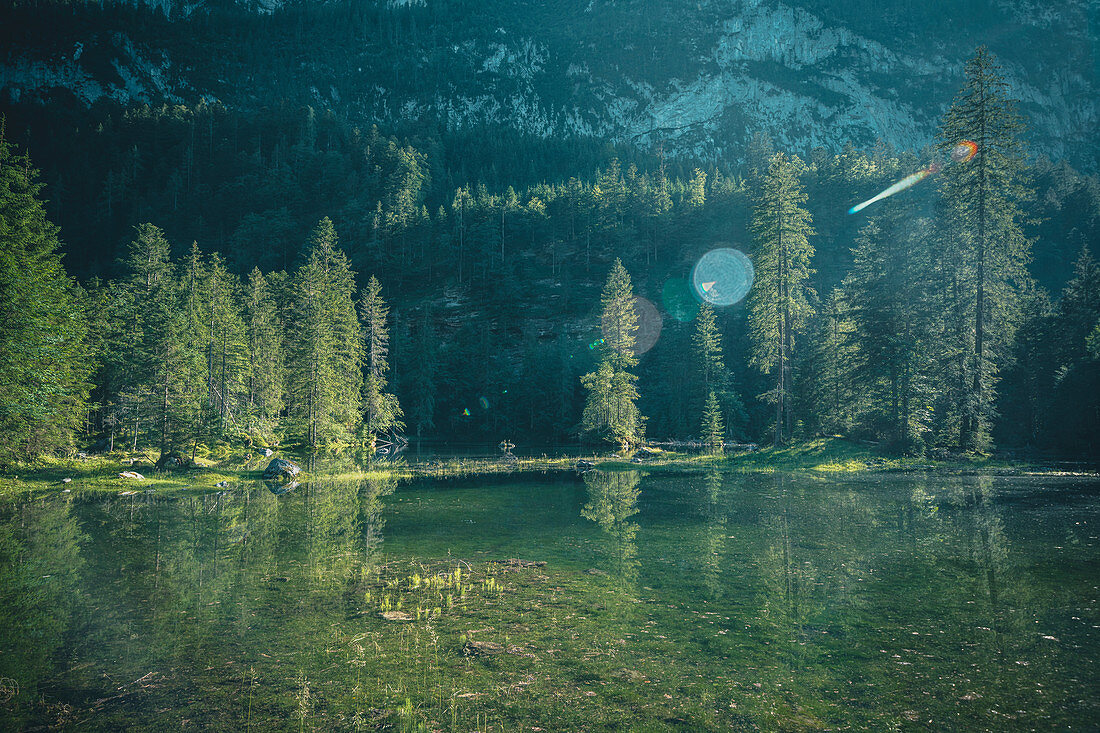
694, 602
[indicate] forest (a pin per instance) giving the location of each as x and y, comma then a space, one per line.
184, 277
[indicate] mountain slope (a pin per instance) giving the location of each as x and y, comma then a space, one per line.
691, 80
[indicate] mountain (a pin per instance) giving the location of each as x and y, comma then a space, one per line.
691, 80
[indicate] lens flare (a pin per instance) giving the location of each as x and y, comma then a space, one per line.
964, 151
961, 153
649, 326
483, 402
722, 276
904, 183
678, 301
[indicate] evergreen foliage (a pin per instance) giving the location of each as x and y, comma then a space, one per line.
892, 310
779, 305
610, 409
713, 374
713, 430
926, 336
43, 358
381, 411
324, 354
828, 368
266, 361
984, 247
163, 382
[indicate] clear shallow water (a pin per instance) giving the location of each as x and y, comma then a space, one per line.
718, 602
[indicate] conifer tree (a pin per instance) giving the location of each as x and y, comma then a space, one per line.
611, 407
892, 313
1075, 407
708, 350
226, 352
324, 354
712, 428
697, 189
266, 362
779, 304
983, 240
1079, 308
43, 364
161, 396
381, 411
831, 352
713, 374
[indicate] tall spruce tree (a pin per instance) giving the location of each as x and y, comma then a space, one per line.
982, 240
779, 304
832, 395
708, 350
160, 396
227, 349
266, 362
610, 409
381, 410
324, 353
1075, 408
892, 311
43, 364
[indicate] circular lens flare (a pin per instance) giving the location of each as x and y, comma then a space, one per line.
722, 276
649, 326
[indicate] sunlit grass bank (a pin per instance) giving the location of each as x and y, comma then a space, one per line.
829, 455
101, 473
839, 455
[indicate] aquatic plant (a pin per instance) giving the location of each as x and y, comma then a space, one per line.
303, 697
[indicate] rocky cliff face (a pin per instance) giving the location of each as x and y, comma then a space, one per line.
695, 79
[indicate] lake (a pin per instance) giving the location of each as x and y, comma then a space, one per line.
666, 602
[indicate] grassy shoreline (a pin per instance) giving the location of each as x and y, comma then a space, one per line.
828, 456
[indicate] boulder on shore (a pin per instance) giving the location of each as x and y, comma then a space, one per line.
280, 470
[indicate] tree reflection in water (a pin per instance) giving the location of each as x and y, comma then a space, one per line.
612, 501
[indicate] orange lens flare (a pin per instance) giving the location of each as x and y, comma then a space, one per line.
964, 151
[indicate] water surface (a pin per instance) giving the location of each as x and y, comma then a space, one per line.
701, 602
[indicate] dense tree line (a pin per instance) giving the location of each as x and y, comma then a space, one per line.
921, 325
190, 354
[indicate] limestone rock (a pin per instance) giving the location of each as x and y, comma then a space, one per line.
280, 470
